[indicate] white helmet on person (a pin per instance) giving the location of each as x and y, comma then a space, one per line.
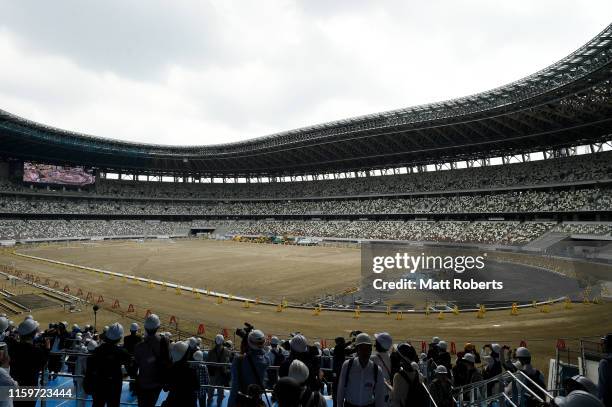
91, 345
114, 332
299, 343
363, 339
4, 324
256, 339
523, 352
299, 371
384, 340
152, 322
219, 339
178, 350
470, 358
27, 327
441, 370
578, 398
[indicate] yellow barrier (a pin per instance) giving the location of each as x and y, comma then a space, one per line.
514, 311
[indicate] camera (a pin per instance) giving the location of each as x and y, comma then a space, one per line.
243, 333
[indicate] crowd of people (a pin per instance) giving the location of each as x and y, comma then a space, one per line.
588, 199
511, 233
62, 229
582, 168
363, 370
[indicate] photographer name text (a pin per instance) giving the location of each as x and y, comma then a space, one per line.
431, 284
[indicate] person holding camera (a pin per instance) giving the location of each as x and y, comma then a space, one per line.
249, 370
276, 356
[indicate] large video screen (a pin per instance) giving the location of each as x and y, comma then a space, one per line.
59, 175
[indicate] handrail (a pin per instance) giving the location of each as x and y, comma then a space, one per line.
527, 388
429, 394
537, 385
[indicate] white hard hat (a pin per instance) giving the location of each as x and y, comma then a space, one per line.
299, 371
578, 398
114, 332
4, 324
495, 347
442, 345
193, 342
134, 327
198, 355
274, 341
586, 383
441, 369
91, 345
363, 339
219, 339
435, 339
522, 352
152, 322
468, 357
384, 340
178, 350
299, 344
27, 326
256, 339
75, 326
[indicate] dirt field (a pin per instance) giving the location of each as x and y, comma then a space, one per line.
539, 329
257, 270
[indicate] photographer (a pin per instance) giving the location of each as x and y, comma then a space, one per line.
276, 356
249, 370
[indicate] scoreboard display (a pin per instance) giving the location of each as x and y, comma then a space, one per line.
57, 175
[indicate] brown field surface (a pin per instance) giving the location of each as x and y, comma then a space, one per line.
314, 270
298, 273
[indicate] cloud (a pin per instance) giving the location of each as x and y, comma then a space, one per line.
206, 72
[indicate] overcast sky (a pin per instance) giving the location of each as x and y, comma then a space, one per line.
208, 72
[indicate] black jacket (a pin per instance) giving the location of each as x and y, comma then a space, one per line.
182, 385
26, 361
104, 368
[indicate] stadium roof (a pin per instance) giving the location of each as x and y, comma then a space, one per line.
565, 104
